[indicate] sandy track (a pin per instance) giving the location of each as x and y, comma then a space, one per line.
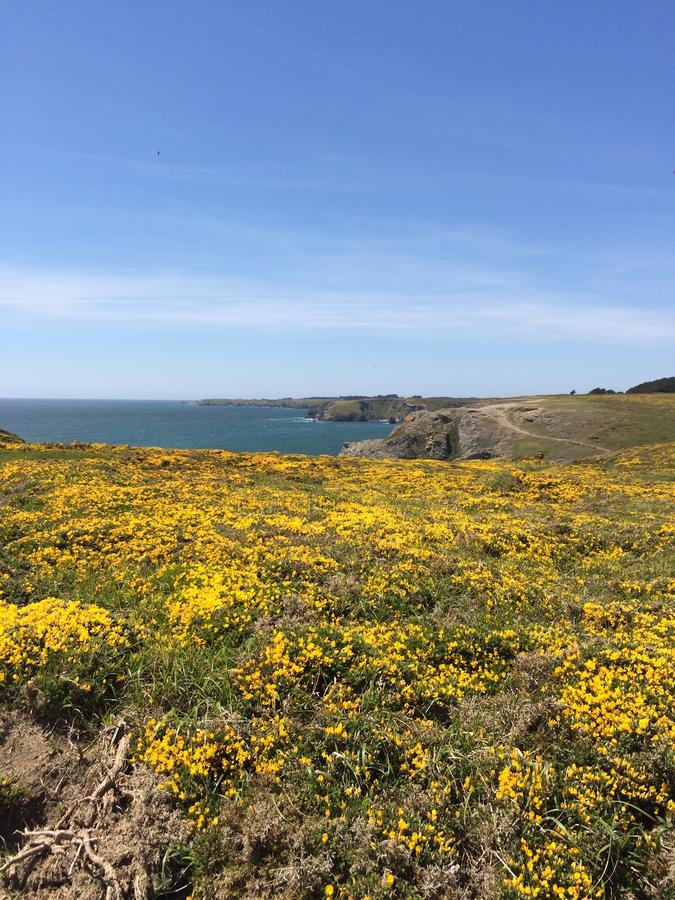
499, 412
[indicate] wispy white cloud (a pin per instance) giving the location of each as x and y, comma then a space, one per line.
469, 304
315, 172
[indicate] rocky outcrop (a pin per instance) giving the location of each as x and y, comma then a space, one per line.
341, 411
421, 435
365, 409
8, 437
447, 434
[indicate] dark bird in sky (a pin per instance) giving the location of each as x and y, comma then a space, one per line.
158, 153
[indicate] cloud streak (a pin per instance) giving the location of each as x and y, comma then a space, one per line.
469, 305
348, 175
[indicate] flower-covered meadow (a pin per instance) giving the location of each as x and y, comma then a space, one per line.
364, 679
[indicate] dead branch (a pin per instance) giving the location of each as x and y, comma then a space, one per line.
118, 766
113, 887
109, 780
39, 842
45, 841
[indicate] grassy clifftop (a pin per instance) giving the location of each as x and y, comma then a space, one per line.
608, 422
347, 678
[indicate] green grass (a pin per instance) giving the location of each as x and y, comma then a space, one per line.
611, 421
343, 409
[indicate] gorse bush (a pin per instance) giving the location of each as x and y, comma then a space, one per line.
383, 679
70, 653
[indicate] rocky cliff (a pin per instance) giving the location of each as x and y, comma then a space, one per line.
366, 409
448, 434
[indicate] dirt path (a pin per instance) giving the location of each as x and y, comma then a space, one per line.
498, 411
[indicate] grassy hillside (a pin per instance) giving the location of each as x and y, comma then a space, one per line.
342, 410
610, 421
349, 678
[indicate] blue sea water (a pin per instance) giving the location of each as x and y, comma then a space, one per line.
172, 423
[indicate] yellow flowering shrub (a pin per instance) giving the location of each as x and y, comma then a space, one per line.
210, 602
429, 677
61, 644
623, 693
554, 870
523, 785
194, 764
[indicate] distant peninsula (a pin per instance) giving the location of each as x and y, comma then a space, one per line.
390, 408
564, 426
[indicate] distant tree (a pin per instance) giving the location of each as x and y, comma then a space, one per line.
659, 386
602, 391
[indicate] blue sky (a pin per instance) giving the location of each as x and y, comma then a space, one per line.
440, 198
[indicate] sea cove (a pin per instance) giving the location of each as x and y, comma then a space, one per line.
181, 425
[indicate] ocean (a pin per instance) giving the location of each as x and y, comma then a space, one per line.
173, 423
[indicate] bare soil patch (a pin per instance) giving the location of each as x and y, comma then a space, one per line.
84, 821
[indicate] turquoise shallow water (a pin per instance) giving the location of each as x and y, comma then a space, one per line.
171, 423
